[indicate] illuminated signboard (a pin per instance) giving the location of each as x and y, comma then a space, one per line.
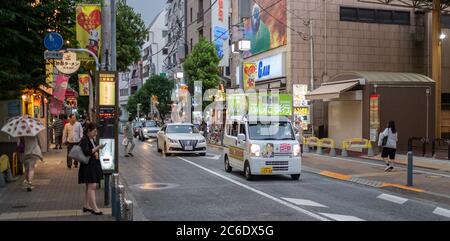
107, 92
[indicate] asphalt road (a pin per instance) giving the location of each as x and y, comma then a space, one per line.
189, 187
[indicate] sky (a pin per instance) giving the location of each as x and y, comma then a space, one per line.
147, 8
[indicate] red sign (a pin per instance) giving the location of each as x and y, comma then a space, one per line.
221, 10
285, 148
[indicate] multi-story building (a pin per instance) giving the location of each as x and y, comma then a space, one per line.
346, 36
175, 47
210, 19
153, 49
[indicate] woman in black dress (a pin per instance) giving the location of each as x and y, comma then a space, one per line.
91, 173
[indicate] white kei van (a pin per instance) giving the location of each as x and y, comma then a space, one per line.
267, 146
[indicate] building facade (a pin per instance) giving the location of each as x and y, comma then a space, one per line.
175, 46
152, 50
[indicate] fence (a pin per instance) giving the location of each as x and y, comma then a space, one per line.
423, 145
122, 209
437, 143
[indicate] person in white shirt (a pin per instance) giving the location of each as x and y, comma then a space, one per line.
72, 134
389, 145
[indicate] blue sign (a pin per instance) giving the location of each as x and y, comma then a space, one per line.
53, 41
220, 35
263, 71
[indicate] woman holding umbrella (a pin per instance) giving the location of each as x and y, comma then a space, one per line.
27, 129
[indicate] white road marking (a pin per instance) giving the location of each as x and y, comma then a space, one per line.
287, 204
214, 157
392, 198
339, 217
442, 212
304, 202
382, 165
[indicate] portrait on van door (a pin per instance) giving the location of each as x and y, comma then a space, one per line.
268, 151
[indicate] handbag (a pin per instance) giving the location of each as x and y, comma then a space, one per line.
385, 139
77, 154
125, 142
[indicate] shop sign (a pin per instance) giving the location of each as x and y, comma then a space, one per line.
374, 116
107, 89
300, 92
69, 64
271, 67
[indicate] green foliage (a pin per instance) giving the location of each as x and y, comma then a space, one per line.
23, 27
131, 35
202, 65
155, 85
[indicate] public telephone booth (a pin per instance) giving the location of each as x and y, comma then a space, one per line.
360, 104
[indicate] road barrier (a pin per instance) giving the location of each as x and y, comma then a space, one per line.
423, 144
122, 209
357, 143
439, 143
310, 142
327, 143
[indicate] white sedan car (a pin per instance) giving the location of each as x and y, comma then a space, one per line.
181, 138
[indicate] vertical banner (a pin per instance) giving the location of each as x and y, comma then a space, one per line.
55, 106
89, 28
60, 87
83, 83
49, 73
374, 116
107, 96
219, 25
250, 73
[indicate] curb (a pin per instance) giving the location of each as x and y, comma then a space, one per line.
420, 193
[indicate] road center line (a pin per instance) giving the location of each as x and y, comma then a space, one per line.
287, 204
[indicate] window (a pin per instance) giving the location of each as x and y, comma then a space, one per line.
192, 45
124, 92
374, 16
191, 15
165, 33
445, 21
242, 129
234, 129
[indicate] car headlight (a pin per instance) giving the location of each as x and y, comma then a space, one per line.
202, 141
296, 150
255, 150
173, 141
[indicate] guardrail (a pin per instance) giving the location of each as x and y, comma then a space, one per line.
357, 143
439, 143
423, 145
320, 144
310, 142
122, 209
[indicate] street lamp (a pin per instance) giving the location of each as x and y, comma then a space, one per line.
442, 36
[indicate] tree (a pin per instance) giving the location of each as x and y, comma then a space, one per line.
23, 24
155, 86
202, 65
131, 35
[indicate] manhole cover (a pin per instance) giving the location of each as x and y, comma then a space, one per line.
155, 186
19, 206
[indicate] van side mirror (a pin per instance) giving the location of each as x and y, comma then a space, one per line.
241, 137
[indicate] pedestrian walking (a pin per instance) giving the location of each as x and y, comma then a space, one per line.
388, 141
58, 127
299, 132
72, 134
32, 153
129, 135
91, 173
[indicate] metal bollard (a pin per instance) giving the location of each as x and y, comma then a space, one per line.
120, 203
410, 169
115, 183
128, 210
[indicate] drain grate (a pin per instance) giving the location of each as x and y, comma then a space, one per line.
19, 206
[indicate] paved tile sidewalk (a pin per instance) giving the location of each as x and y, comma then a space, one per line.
57, 195
428, 183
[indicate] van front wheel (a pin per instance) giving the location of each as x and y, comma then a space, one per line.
228, 168
295, 177
248, 172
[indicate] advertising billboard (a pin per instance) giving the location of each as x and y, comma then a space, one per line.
266, 26
219, 25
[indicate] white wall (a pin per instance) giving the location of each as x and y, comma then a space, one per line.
344, 120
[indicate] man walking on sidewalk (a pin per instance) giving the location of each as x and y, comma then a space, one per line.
72, 134
58, 128
129, 135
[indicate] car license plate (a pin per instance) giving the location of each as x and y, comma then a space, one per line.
266, 170
188, 148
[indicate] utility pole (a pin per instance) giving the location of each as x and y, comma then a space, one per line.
113, 36
436, 63
106, 34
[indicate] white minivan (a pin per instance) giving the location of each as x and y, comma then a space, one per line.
267, 146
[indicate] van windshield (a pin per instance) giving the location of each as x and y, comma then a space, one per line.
271, 131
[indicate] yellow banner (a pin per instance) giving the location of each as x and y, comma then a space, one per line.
49, 73
249, 78
89, 29
83, 83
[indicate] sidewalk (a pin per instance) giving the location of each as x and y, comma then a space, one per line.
57, 195
432, 183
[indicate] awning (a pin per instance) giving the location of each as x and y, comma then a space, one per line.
331, 90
